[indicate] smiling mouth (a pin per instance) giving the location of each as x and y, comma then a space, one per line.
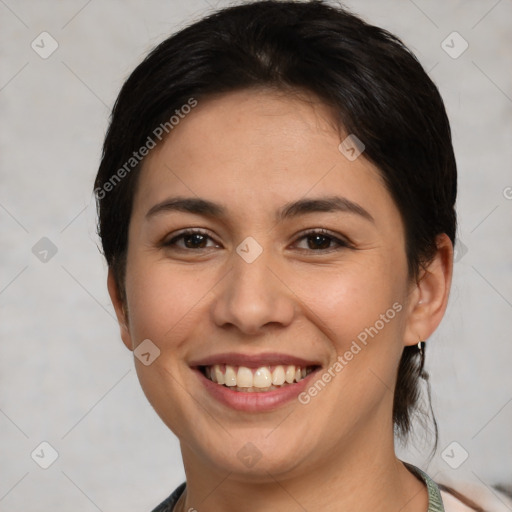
256, 380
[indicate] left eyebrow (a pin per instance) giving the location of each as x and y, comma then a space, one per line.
323, 204
207, 208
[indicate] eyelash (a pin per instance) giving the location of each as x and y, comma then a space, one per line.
341, 243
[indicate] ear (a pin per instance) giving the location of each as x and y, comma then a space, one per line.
119, 306
429, 295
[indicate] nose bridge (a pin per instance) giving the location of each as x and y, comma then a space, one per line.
252, 296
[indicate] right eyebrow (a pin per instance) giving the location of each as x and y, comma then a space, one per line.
188, 205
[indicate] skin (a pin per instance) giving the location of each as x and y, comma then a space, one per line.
254, 152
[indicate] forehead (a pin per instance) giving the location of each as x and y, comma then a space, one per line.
256, 147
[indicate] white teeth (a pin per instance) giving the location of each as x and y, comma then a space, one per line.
244, 377
219, 376
278, 376
290, 374
230, 376
250, 380
262, 378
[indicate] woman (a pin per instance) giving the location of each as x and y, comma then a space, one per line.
276, 206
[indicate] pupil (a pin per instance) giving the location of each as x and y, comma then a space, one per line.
319, 242
194, 241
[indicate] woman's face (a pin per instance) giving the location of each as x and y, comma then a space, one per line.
298, 260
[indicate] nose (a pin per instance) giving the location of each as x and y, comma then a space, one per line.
253, 298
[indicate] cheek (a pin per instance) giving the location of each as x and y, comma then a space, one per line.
163, 301
362, 313
349, 301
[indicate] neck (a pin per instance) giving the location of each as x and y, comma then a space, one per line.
359, 476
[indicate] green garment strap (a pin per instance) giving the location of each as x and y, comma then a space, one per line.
435, 502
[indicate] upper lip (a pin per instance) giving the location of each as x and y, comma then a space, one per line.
253, 360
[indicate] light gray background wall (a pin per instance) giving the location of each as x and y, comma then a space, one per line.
65, 376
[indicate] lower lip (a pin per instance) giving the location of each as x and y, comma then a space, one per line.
255, 401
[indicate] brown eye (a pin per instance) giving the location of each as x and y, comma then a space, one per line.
196, 241
191, 240
320, 240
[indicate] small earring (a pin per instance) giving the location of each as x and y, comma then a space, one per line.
421, 346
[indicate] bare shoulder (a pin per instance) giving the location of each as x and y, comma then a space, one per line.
471, 498
453, 504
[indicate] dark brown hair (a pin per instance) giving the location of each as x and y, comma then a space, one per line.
373, 84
